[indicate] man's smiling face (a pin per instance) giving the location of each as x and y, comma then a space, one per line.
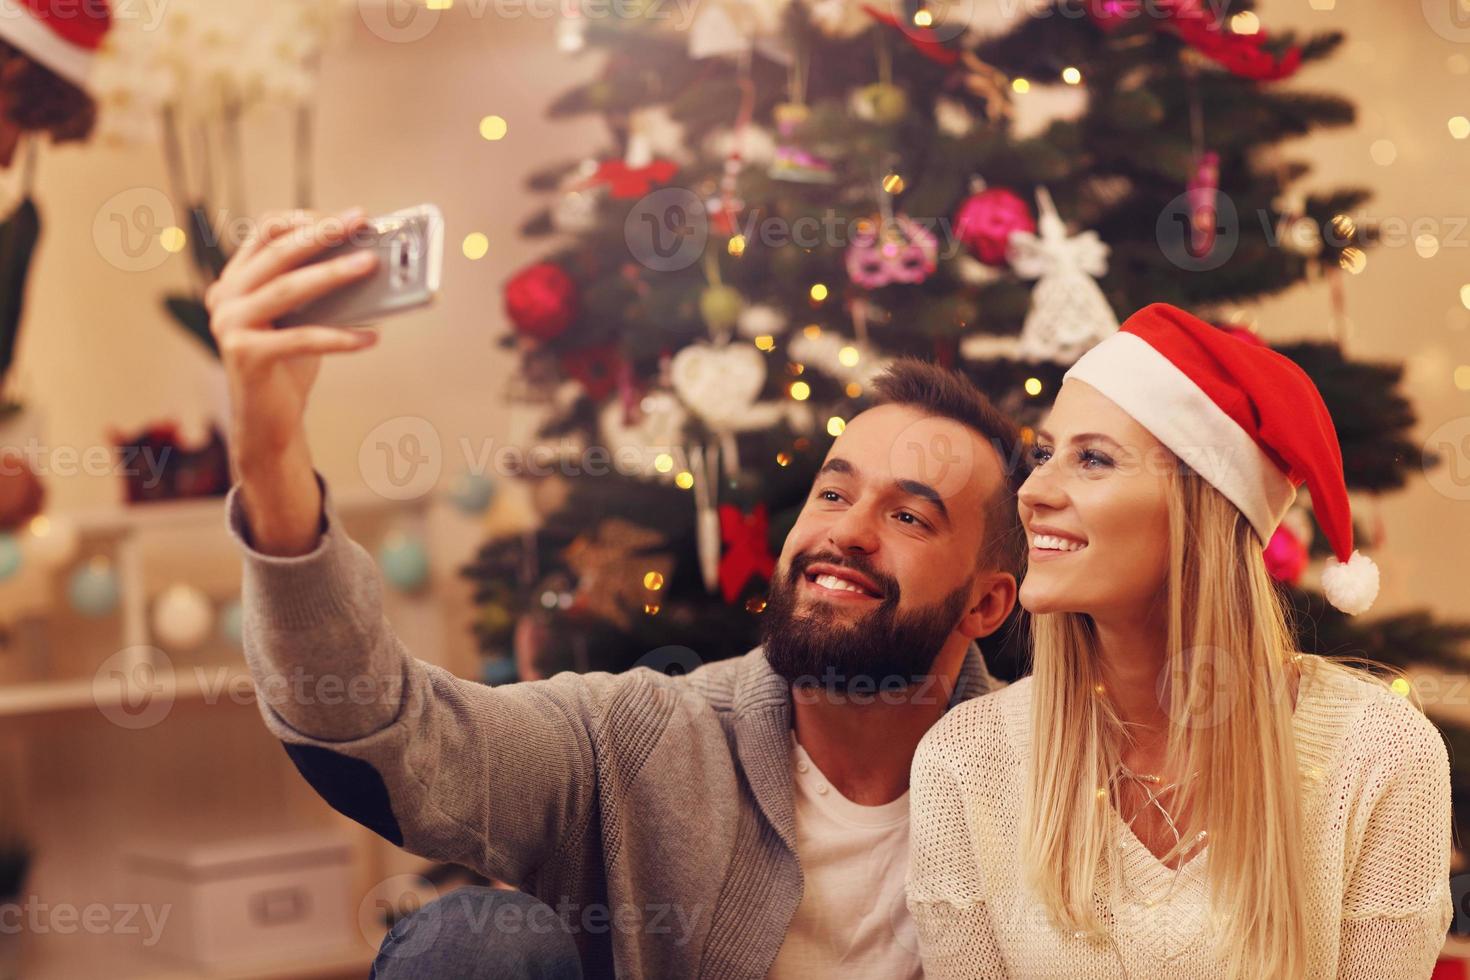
880, 568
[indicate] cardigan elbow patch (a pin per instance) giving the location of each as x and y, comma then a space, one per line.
350, 786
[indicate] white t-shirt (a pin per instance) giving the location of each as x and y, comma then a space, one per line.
852, 921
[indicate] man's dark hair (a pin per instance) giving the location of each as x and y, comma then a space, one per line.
936, 391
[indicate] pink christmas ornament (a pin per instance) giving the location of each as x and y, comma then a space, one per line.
901, 251
1286, 556
985, 222
1202, 191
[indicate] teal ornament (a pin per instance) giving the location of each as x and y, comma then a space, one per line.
472, 492
9, 555
405, 561
231, 618
93, 590
499, 670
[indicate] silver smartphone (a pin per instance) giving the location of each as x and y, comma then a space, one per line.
410, 249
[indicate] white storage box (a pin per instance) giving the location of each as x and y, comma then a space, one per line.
247, 899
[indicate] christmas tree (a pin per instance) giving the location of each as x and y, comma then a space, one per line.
796, 191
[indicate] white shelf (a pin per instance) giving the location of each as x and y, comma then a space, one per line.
93, 960
209, 510
211, 683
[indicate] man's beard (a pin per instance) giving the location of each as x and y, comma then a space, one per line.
881, 649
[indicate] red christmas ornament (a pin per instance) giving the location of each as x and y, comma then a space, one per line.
1286, 556
1199, 27
22, 494
747, 550
985, 221
541, 301
597, 368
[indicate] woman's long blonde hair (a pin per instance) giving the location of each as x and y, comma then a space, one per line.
1227, 694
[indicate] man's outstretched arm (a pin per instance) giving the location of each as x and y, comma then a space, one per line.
450, 769
497, 779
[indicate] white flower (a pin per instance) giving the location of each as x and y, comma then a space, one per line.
206, 54
952, 117
659, 132
839, 18
1042, 105
757, 18
761, 319
756, 145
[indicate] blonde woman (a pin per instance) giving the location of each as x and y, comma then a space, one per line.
1174, 792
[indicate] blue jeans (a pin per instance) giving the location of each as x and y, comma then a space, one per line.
477, 933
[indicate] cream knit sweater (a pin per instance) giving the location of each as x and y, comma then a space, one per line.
1376, 812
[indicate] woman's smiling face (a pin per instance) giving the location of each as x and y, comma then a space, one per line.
1095, 509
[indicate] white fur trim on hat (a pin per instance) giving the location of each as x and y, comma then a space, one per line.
1351, 587
22, 29
1163, 399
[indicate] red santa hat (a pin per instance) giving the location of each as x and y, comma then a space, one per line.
63, 35
1246, 419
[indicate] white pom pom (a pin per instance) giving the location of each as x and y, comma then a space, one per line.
1351, 587
761, 319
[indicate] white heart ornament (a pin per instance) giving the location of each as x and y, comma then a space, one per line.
659, 430
719, 384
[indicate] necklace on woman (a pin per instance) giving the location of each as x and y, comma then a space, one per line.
1155, 790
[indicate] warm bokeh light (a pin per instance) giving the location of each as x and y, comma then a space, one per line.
1245, 22
476, 245
493, 127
